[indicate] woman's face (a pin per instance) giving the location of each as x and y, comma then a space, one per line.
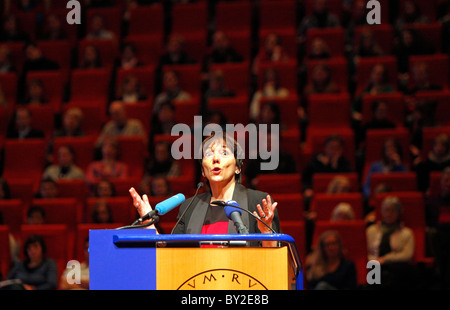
331, 246
219, 163
390, 214
34, 251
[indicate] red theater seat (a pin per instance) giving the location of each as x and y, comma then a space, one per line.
24, 159
5, 251
66, 211
396, 181
148, 47
8, 85
108, 50
110, 18
365, 66
278, 15
53, 86
383, 35
296, 229
442, 109
323, 204
329, 111
142, 110
4, 121
353, 234
94, 115
133, 152
395, 104
59, 51
186, 110
237, 76
233, 16
58, 240
288, 110
290, 206
338, 70
321, 181
428, 136
82, 146
279, 183
90, 84
333, 37
286, 71
121, 208
235, 109
438, 67
431, 32
141, 24
189, 77
12, 211
77, 189
43, 118
21, 189
145, 75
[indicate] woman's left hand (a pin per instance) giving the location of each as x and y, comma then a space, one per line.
266, 214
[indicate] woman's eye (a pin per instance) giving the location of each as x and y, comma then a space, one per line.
208, 154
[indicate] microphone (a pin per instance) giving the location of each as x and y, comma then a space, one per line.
224, 204
199, 185
162, 208
234, 214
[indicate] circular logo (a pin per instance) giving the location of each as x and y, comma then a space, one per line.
218, 279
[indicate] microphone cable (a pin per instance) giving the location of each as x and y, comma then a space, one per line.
199, 185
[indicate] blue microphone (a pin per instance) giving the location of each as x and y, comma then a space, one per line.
234, 214
163, 207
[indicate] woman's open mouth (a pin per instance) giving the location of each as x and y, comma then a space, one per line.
216, 170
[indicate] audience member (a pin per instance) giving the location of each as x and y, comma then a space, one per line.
91, 58
272, 51
120, 125
101, 213
438, 222
22, 127
270, 114
35, 60
65, 168
436, 160
327, 267
342, 212
36, 271
97, 29
48, 189
64, 284
319, 49
320, 17
330, 160
321, 81
420, 80
391, 161
35, 93
338, 185
131, 90
36, 215
53, 29
368, 45
217, 86
109, 166
410, 14
172, 90
221, 51
270, 89
129, 57
161, 162
392, 244
11, 31
71, 124
163, 119
6, 63
105, 188
175, 52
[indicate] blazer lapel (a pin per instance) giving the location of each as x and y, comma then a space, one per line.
240, 196
197, 218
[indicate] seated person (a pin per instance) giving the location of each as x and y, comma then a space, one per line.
23, 126
221, 51
65, 168
327, 268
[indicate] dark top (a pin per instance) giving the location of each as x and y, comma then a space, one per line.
43, 277
343, 278
316, 166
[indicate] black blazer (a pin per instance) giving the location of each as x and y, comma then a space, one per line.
192, 221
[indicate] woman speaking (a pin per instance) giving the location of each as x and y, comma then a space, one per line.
221, 166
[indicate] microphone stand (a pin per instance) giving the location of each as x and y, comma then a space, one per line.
155, 219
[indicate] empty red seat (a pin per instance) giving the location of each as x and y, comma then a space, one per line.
395, 104
435, 183
333, 37
142, 111
133, 152
24, 159
8, 85
4, 120
278, 15
290, 206
140, 23
321, 181
90, 84
323, 204
279, 183
233, 16
66, 211
12, 211
59, 51
296, 229
185, 110
122, 210
353, 235
148, 47
77, 189
43, 118
21, 189
235, 109
431, 32
190, 18
5, 251
82, 146
182, 184
329, 111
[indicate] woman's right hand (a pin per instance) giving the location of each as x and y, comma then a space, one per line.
141, 204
